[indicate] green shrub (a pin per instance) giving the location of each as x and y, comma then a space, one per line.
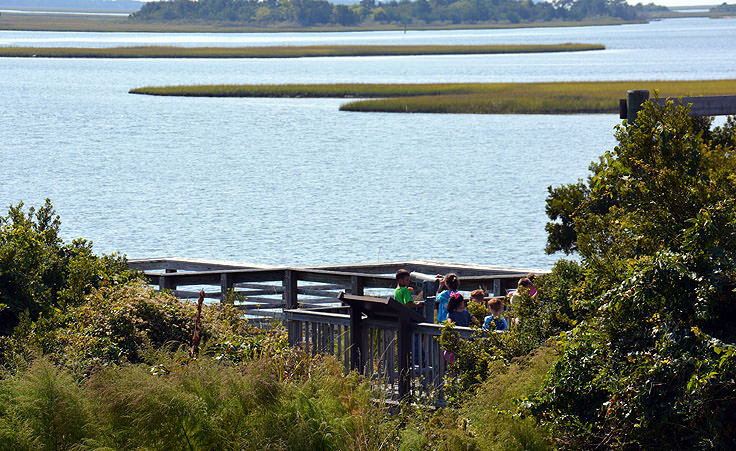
130, 322
651, 363
40, 273
117, 321
532, 321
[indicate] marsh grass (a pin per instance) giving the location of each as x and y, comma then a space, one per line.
470, 98
287, 51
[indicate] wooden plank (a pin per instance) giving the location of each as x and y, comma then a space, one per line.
190, 264
706, 105
310, 317
186, 294
392, 356
214, 277
346, 348
345, 278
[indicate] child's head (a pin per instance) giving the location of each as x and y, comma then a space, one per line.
452, 282
456, 303
495, 306
478, 296
403, 278
526, 282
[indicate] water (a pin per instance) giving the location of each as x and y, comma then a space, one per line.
295, 181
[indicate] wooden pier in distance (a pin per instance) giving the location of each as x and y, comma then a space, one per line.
342, 310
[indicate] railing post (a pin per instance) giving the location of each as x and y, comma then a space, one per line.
634, 100
291, 284
166, 283
356, 338
497, 288
405, 336
226, 286
429, 288
357, 285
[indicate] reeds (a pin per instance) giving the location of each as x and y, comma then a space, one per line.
287, 51
470, 98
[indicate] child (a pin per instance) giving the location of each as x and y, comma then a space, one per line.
448, 285
478, 296
495, 321
402, 293
457, 312
525, 282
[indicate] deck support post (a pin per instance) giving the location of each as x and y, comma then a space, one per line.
226, 286
497, 289
429, 288
290, 285
357, 285
634, 100
405, 337
356, 338
165, 283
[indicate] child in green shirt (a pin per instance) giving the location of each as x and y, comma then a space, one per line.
402, 292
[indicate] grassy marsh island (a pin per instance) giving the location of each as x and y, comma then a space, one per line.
288, 51
463, 98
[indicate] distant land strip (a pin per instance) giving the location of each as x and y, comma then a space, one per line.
287, 51
463, 98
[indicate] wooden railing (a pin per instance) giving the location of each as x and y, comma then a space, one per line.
330, 333
264, 290
306, 298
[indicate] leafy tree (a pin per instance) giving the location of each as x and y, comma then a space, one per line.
40, 273
654, 224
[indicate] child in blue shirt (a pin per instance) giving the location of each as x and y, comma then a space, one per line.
448, 285
495, 321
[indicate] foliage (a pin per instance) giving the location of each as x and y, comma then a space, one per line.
724, 8
532, 321
655, 227
489, 419
130, 322
492, 412
40, 273
316, 12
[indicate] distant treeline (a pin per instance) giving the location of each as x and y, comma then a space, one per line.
322, 12
724, 8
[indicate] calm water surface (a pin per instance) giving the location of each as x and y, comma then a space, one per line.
295, 181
